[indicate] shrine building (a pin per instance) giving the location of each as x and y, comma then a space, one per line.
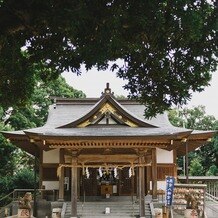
105, 147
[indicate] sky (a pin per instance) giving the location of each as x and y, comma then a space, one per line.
93, 83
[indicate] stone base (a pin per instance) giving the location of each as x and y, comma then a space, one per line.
23, 213
61, 199
190, 213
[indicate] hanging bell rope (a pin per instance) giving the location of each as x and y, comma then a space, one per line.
87, 173
104, 166
100, 172
115, 172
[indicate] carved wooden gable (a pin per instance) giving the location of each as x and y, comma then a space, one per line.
107, 111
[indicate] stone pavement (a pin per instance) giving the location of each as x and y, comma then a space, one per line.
211, 209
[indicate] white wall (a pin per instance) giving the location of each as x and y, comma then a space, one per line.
161, 185
50, 185
164, 156
51, 156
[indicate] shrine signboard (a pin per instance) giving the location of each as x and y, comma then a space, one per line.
170, 181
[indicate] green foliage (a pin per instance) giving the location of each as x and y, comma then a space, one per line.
168, 48
5, 184
35, 113
16, 165
24, 179
196, 168
197, 119
194, 118
213, 171
17, 74
7, 150
5, 187
120, 97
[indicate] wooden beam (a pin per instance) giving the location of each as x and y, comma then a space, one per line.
76, 145
108, 158
160, 142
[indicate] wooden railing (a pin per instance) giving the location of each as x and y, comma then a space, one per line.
210, 197
210, 181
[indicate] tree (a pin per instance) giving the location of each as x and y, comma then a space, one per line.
7, 151
7, 165
23, 178
16, 165
35, 112
196, 168
168, 48
197, 119
213, 171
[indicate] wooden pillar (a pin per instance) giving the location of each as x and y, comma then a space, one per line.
186, 162
132, 185
148, 178
175, 163
61, 178
137, 183
40, 168
74, 186
154, 173
141, 187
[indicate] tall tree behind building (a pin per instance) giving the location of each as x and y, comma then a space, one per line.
204, 160
13, 161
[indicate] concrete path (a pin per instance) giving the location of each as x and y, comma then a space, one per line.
211, 209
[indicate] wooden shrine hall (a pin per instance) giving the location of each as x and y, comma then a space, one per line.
105, 147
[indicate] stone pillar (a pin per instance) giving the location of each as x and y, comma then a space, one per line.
61, 178
141, 187
74, 186
154, 174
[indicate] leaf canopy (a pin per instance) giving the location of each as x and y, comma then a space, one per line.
168, 48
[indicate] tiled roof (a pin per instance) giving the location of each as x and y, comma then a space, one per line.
107, 131
65, 111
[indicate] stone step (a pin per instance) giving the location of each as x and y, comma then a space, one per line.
97, 209
108, 215
105, 216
